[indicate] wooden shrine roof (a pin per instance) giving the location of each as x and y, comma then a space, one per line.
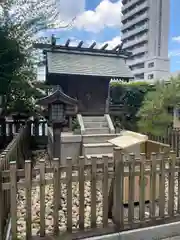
57, 95
81, 61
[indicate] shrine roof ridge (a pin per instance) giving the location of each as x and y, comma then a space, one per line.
116, 51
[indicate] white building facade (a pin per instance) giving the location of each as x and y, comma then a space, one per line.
145, 32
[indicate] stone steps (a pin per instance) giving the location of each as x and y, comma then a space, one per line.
97, 148
98, 138
95, 124
94, 119
104, 130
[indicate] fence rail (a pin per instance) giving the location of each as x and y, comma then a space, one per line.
38, 131
172, 138
136, 180
17, 150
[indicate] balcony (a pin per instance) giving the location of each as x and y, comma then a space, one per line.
138, 71
140, 49
129, 4
136, 41
134, 11
136, 20
135, 31
136, 61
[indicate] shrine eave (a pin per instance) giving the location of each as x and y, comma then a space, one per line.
57, 96
56, 79
103, 51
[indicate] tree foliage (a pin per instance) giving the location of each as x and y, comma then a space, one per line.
156, 111
130, 97
20, 23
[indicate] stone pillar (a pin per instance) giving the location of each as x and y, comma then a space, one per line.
57, 128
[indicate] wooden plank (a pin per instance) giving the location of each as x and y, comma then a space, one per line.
93, 192
1, 207
13, 200
142, 188
35, 182
56, 195
172, 162
118, 207
131, 189
42, 197
162, 186
178, 207
69, 194
81, 192
28, 198
104, 191
153, 185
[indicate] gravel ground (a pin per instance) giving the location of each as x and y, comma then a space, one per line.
21, 214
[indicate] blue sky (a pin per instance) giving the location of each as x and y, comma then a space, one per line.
99, 20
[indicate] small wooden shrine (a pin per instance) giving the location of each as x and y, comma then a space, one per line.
84, 73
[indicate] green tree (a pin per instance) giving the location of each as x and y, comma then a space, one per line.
21, 21
156, 112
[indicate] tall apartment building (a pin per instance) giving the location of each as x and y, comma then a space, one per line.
145, 30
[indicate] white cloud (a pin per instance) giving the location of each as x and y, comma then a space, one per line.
176, 39
114, 42
70, 8
111, 43
106, 14
174, 53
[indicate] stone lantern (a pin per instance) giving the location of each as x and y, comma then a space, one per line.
59, 106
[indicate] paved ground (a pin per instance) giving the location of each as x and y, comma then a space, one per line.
172, 238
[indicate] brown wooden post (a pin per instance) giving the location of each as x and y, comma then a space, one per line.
142, 187
118, 190
69, 193
81, 192
56, 194
1, 207
162, 185
28, 198
42, 198
172, 162
13, 189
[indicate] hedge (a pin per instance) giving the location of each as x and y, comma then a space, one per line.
130, 96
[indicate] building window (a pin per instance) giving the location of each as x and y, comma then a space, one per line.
150, 76
151, 65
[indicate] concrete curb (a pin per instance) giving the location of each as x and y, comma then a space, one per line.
151, 233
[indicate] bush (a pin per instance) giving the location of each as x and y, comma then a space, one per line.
130, 96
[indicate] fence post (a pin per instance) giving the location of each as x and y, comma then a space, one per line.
56, 194
81, 192
69, 193
13, 187
105, 192
93, 191
1, 206
172, 162
162, 186
153, 185
118, 207
131, 188
28, 198
142, 187
42, 198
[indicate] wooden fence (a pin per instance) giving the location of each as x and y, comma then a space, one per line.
172, 138
38, 131
18, 138
159, 177
17, 150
